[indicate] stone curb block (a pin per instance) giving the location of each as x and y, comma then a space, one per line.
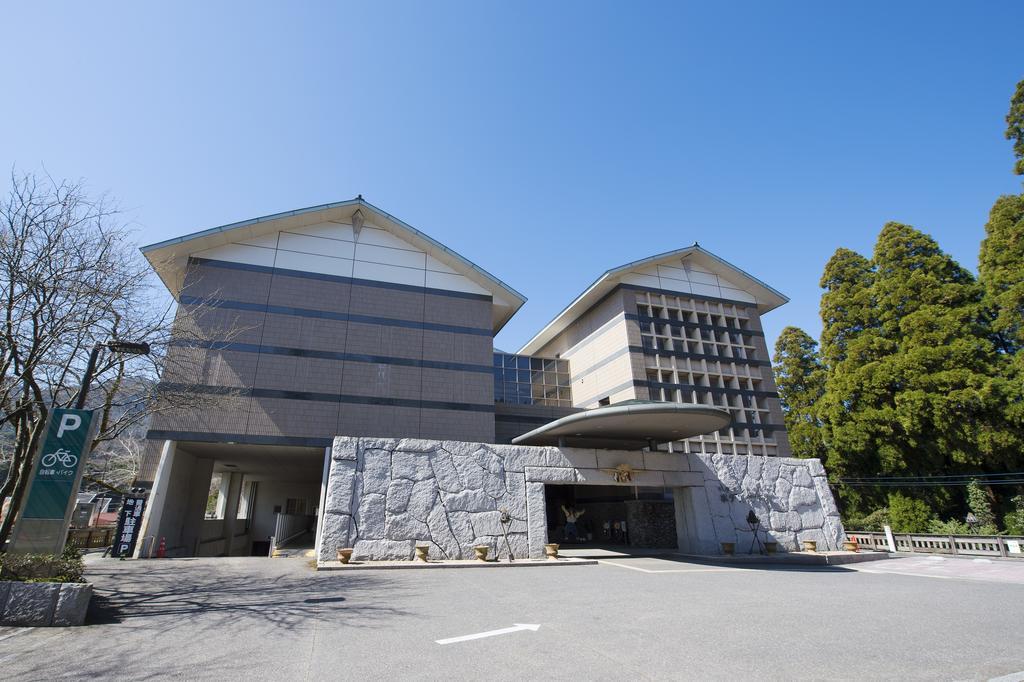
44, 604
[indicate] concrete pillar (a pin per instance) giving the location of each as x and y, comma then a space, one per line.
177, 502
222, 495
323, 501
231, 484
694, 526
153, 516
685, 531
194, 511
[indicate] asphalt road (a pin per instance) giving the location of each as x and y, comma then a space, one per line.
642, 618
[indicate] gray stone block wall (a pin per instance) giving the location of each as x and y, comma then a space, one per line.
384, 496
43, 604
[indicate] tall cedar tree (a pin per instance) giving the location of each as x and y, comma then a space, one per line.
1001, 271
1015, 127
909, 387
800, 378
944, 407
848, 332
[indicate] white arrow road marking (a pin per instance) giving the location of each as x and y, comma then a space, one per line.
491, 633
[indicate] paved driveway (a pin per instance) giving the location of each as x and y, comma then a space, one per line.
642, 617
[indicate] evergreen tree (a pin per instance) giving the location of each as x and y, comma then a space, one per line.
1001, 270
800, 378
1015, 127
980, 506
848, 349
846, 303
940, 373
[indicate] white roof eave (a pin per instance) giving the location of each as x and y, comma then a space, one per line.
169, 257
768, 297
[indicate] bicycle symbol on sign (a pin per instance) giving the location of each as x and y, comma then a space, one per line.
65, 458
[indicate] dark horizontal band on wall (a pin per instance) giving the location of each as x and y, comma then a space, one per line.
679, 324
699, 356
522, 419
240, 438
682, 294
332, 355
185, 299
228, 265
323, 397
710, 389
767, 428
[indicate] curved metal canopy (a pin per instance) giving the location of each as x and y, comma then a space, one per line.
628, 426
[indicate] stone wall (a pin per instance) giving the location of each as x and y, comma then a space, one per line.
790, 496
386, 495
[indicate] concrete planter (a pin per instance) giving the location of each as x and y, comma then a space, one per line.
481, 552
344, 554
728, 548
851, 546
421, 552
551, 550
43, 604
810, 545
771, 547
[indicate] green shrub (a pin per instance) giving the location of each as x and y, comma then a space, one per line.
907, 515
67, 567
978, 503
1014, 521
955, 527
951, 527
875, 521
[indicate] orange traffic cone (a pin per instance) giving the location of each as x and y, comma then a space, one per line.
161, 551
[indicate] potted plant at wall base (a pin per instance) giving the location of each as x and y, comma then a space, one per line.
43, 589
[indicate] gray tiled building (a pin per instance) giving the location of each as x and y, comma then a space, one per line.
342, 320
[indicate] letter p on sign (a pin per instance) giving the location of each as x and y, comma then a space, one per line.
68, 422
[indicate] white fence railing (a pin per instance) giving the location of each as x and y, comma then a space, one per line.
972, 545
288, 527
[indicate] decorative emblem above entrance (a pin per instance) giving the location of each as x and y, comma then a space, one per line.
623, 473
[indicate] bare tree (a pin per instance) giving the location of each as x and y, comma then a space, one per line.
71, 278
115, 464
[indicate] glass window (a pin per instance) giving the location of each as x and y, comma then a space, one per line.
523, 362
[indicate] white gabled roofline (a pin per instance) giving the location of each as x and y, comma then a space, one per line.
767, 297
168, 257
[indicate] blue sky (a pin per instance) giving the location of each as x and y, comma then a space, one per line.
547, 142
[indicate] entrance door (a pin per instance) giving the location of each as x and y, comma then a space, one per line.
623, 516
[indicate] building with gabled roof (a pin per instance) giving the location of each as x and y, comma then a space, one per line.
340, 320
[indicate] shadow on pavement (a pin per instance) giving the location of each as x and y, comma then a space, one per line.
747, 562
213, 593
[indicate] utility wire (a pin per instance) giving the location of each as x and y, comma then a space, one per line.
1014, 474
932, 484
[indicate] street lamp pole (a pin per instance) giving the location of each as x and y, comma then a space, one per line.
125, 347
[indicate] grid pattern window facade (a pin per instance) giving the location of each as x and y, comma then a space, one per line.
703, 352
525, 380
